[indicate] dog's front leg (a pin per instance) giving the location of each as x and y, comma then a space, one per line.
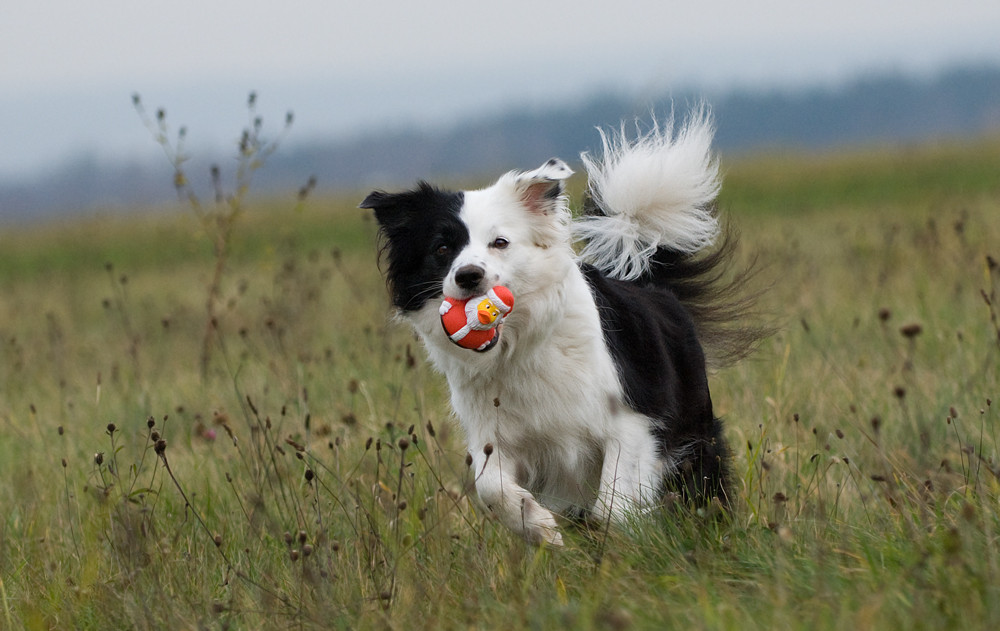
514, 505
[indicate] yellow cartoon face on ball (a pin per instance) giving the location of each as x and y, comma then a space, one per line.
487, 311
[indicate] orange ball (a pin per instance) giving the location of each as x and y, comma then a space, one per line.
474, 323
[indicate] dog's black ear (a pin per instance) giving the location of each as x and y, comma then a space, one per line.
374, 200
388, 210
539, 190
396, 210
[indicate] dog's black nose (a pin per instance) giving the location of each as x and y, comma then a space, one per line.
469, 276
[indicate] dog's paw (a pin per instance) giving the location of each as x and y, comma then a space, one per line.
539, 525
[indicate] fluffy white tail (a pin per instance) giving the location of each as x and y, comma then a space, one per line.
657, 190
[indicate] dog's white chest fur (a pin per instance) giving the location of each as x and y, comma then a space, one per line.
544, 399
548, 401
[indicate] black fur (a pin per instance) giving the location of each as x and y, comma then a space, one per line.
654, 343
422, 249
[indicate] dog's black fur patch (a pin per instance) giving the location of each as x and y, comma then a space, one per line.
654, 344
426, 234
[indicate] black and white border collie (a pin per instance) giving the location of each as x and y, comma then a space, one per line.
595, 400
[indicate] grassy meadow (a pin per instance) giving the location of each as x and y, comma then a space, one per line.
307, 475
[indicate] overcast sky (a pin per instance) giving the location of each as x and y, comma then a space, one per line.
68, 67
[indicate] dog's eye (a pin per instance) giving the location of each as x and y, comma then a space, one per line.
500, 243
442, 250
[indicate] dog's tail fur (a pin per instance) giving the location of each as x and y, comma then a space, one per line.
651, 217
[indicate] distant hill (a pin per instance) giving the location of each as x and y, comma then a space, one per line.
892, 108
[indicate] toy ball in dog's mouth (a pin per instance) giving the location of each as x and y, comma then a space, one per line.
475, 322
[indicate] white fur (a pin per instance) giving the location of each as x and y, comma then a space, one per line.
656, 189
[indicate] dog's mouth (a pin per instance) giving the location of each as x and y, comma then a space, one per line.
492, 343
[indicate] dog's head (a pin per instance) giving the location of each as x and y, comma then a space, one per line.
459, 244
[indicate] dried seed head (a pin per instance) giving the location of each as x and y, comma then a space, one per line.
60, 430
900, 392
307, 549
288, 537
310, 475
404, 443
430, 429
910, 331
161, 446
218, 540
488, 449
294, 555
884, 314
150, 422
468, 460
99, 458
303, 536
64, 463
111, 428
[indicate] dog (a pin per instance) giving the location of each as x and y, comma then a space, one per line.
594, 402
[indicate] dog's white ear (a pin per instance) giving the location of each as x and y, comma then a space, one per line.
539, 190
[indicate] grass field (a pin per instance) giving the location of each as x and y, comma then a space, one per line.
312, 479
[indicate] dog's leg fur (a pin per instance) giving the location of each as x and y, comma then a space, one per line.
632, 472
514, 506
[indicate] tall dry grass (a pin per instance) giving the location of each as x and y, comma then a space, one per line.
307, 475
